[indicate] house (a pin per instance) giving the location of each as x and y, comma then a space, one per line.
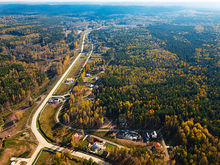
51, 101
55, 100
23, 134
95, 78
77, 136
88, 75
131, 137
154, 134
69, 80
157, 145
89, 85
147, 136
97, 146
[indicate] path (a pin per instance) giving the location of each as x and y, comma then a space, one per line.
165, 151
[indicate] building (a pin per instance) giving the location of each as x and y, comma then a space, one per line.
88, 75
154, 134
157, 145
69, 80
76, 136
55, 100
95, 78
131, 137
89, 85
147, 136
97, 146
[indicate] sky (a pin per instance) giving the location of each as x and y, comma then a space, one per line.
143, 1
188, 3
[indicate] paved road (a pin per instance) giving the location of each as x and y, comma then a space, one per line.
42, 142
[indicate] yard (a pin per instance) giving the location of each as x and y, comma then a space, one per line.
124, 142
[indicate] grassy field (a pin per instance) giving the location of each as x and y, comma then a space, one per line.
110, 146
44, 158
63, 88
47, 119
48, 158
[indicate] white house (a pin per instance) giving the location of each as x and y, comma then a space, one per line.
88, 75
154, 134
89, 85
130, 137
69, 80
97, 146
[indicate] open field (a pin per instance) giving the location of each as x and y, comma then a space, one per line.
47, 157
64, 88
47, 119
17, 146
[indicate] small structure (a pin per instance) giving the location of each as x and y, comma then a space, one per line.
88, 75
69, 80
55, 100
95, 78
102, 69
156, 145
147, 136
23, 134
13, 163
97, 146
76, 136
51, 101
89, 85
154, 134
131, 137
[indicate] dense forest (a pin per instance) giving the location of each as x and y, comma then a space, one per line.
161, 72
160, 78
34, 51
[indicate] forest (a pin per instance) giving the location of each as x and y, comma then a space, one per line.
160, 78
34, 51
161, 72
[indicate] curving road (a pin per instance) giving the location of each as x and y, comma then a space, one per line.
42, 142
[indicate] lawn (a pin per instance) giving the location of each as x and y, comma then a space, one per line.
110, 146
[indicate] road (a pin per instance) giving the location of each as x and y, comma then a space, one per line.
99, 138
42, 142
165, 151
